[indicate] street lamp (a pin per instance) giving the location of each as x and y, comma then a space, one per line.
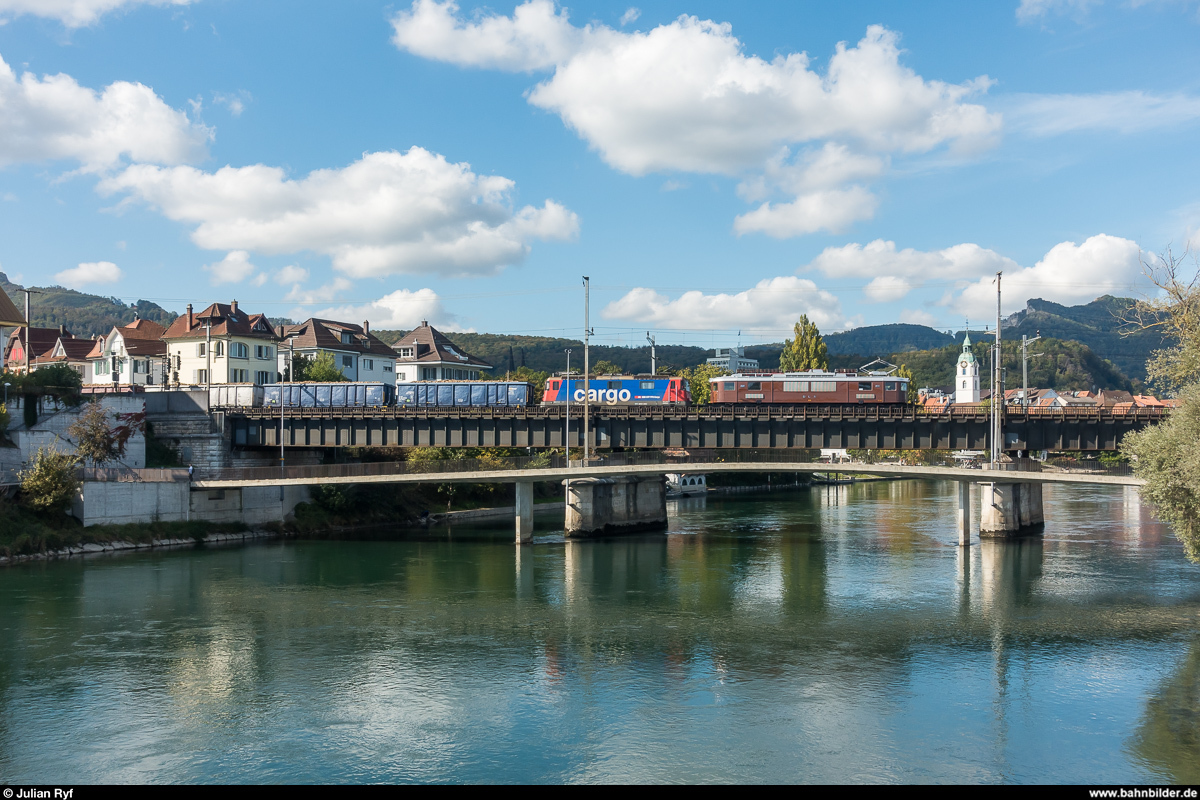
6, 385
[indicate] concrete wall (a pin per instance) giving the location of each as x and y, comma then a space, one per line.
51, 428
623, 504
1010, 509
113, 503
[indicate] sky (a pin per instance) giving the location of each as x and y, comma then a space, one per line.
717, 170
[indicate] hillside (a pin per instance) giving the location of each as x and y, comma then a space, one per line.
1097, 324
872, 340
85, 315
1066, 365
545, 354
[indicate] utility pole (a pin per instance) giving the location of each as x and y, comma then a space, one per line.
567, 435
997, 388
28, 324
208, 356
1025, 341
587, 333
653, 358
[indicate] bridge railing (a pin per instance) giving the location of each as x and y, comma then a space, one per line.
130, 475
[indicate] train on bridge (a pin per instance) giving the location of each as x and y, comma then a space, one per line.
811, 388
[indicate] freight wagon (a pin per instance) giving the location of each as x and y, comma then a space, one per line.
473, 394
326, 395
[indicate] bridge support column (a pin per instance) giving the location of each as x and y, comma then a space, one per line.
621, 504
964, 513
524, 513
1010, 510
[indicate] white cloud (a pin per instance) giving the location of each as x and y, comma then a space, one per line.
685, 97
887, 288
53, 117
75, 13
319, 296
1030, 10
1122, 112
535, 37
832, 210
919, 317
772, 305
631, 15
1067, 274
880, 258
235, 102
89, 273
400, 309
291, 274
235, 267
385, 214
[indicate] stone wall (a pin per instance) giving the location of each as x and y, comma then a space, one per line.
51, 428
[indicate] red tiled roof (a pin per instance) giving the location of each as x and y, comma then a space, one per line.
225, 321
326, 334
430, 346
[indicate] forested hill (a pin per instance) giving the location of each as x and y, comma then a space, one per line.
1098, 324
875, 339
84, 315
545, 354
1065, 365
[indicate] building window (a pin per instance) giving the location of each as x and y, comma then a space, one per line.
101, 367
400, 376
406, 352
219, 349
388, 368
368, 363
262, 351
238, 350
238, 376
200, 349
347, 338
199, 376
347, 361
264, 377
964, 384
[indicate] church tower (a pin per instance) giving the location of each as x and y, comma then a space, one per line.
966, 375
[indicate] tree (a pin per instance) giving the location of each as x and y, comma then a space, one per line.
1167, 456
606, 368
806, 351
49, 484
96, 441
698, 378
323, 369
905, 372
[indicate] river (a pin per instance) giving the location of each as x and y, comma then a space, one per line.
834, 634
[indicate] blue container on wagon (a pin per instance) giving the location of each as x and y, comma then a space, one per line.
327, 395
472, 394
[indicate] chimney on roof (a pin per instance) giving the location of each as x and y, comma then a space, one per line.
233, 307
191, 320
367, 326
62, 330
424, 323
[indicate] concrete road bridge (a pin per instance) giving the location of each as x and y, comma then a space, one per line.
735, 427
622, 492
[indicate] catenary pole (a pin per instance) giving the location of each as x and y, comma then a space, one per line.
997, 389
587, 332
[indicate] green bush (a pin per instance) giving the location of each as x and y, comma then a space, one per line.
49, 484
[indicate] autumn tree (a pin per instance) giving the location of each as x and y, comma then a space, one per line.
905, 372
100, 442
698, 378
323, 369
806, 351
1167, 455
606, 368
49, 484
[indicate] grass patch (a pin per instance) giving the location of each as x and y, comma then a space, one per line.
26, 532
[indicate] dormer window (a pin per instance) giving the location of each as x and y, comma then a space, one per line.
347, 338
406, 352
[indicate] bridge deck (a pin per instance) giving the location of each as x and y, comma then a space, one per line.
329, 475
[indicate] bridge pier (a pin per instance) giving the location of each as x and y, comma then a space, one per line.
620, 504
524, 511
964, 513
1010, 510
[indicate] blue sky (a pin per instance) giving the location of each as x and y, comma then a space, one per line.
714, 168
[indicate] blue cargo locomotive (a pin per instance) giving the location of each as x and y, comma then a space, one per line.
619, 391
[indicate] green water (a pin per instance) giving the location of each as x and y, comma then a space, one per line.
832, 635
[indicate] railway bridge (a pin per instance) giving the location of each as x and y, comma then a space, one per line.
729, 427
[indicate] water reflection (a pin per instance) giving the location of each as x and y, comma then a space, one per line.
828, 635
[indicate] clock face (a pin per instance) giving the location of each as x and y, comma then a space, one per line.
962, 364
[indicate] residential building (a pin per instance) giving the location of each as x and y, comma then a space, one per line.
356, 352
18, 356
221, 344
424, 354
733, 360
71, 351
131, 355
